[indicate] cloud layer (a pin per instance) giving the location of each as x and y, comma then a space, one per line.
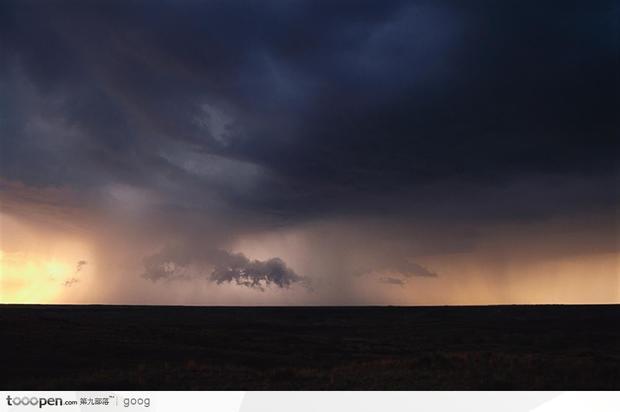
380, 134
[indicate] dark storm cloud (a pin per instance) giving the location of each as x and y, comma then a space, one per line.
297, 109
218, 266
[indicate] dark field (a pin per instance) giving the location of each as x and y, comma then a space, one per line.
495, 347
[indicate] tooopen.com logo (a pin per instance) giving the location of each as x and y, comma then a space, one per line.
37, 401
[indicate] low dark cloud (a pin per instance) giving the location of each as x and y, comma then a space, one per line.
80, 265
70, 282
401, 272
389, 280
219, 267
418, 270
254, 273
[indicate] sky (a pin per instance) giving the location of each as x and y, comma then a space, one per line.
309, 152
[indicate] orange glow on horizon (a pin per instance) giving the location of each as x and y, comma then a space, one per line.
28, 278
38, 265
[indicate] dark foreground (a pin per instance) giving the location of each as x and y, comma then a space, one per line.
501, 347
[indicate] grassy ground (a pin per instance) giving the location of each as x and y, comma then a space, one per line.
495, 347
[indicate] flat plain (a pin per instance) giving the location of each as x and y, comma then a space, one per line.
310, 348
